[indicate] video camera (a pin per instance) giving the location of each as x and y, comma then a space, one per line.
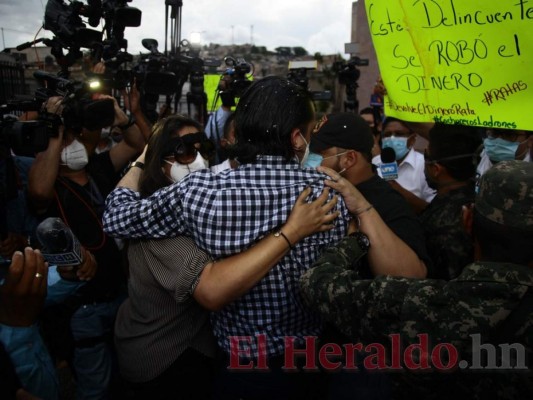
298, 74
165, 74
348, 74
237, 71
79, 111
70, 32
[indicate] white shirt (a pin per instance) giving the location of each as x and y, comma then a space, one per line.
216, 169
411, 175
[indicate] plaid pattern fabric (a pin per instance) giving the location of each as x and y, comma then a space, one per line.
225, 214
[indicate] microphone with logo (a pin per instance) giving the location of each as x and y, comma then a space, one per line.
389, 166
59, 245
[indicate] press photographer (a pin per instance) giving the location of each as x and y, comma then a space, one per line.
70, 182
233, 82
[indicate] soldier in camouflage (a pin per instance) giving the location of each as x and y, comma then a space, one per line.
450, 170
491, 302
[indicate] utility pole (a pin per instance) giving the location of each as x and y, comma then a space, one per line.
232, 35
251, 35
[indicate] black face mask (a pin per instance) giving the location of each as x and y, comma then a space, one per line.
431, 182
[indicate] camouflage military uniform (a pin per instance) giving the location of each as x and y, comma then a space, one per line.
492, 301
448, 245
477, 302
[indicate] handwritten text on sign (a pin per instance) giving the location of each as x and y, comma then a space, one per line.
456, 61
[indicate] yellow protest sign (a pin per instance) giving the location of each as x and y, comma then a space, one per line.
468, 62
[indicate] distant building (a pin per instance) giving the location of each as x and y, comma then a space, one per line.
361, 36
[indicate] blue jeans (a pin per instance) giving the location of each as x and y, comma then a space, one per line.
94, 359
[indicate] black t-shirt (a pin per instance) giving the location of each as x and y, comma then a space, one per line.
398, 216
81, 208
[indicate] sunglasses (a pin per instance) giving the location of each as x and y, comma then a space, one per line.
185, 149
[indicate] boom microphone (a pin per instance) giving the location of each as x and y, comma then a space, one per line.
389, 166
27, 45
59, 245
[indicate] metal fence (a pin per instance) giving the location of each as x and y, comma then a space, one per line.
12, 82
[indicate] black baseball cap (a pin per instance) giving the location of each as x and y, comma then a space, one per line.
345, 130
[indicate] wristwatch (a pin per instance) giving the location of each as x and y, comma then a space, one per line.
362, 240
127, 125
137, 164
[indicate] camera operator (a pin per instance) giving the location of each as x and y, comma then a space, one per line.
68, 181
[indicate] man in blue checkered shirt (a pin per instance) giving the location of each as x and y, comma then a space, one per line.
228, 212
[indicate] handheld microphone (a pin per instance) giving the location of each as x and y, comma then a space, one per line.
389, 166
59, 245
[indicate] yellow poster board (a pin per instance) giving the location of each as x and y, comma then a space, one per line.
467, 62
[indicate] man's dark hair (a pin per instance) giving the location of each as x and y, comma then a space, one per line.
267, 113
454, 140
501, 243
388, 120
152, 177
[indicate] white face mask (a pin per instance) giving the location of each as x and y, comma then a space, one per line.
105, 132
75, 156
180, 171
306, 153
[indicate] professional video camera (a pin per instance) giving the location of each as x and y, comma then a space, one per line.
155, 73
71, 34
165, 74
237, 71
79, 111
298, 74
348, 74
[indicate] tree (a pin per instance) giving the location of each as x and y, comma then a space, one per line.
299, 51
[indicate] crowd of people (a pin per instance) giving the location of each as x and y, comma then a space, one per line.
267, 256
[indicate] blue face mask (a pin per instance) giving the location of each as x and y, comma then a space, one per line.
499, 149
398, 144
313, 160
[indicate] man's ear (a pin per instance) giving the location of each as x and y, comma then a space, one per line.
411, 140
350, 159
437, 170
468, 218
298, 144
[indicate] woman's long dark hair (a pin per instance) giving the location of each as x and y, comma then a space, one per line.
152, 177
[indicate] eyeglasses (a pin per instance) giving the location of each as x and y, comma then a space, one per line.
188, 146
505, 134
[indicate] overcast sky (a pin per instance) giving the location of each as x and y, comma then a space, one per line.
317, 25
